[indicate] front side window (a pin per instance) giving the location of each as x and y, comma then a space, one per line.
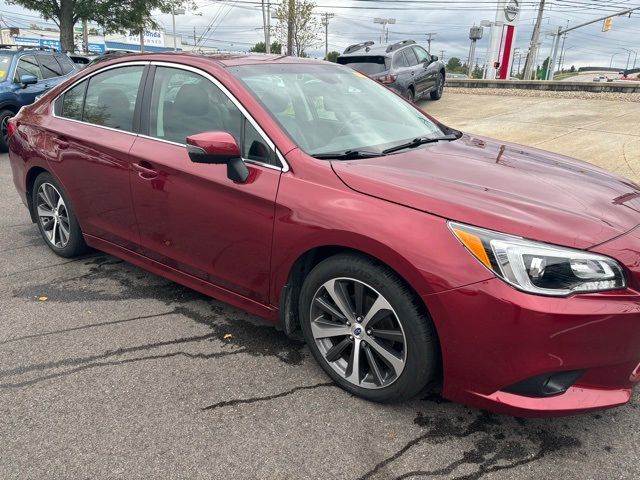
50, 67
327, 108
28, 65
111, 97
423, 56
184, 103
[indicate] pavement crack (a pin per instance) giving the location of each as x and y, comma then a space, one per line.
83, 327
240, 401
44, 267
203, 356
70, 362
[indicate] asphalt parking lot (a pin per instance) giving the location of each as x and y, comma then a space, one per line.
107, 371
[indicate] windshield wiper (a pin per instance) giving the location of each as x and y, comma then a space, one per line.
348, 155
416, 142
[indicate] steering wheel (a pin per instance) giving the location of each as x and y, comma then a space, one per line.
355, 119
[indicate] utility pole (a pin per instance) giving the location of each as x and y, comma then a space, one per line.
529, 63
142, 40
429, 35
442, 55
85, 36
194, 37
290, 26
265, 25
325, 23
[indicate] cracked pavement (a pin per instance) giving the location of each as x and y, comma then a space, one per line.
122, 374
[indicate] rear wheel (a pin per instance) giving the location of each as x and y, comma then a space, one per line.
410, 95
366, 329
5, 115
436, 93
55, 217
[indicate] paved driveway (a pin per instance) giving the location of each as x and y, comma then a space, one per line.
107, 371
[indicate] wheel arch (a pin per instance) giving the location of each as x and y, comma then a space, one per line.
10, 106
289, 292
30, 180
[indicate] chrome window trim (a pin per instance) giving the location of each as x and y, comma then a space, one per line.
87, 77
285, 166
236, 102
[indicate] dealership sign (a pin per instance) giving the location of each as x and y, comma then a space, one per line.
39, 42
151, 37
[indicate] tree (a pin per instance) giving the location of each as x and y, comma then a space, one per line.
333, 56
113, 15
543, 71
260, 48
572, 69
454, 65
305, 28
477, 72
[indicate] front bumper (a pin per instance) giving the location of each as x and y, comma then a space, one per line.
493, 336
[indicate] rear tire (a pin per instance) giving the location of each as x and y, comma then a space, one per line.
56, 218
5, 115
388, 335
410, 95
436, 93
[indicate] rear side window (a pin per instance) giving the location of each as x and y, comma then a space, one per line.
111, 97
50, 67
410, 56
399, 60
28, 65
65, 63
371, 65
72, 102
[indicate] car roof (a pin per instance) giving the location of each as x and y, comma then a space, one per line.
219, 59
367, 49
17, 50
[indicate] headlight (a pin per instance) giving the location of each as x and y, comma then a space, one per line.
538, 267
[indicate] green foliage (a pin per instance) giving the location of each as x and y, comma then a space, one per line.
333, 56
112, 15
477, 72
572, 69
454, 65
306, 28
260, 48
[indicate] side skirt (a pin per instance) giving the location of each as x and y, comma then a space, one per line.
265, 311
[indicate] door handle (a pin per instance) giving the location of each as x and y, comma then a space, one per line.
412, 73
145, 170
62, 144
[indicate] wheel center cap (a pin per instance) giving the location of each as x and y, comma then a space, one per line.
357, 332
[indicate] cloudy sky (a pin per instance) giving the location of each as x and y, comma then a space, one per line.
236, 25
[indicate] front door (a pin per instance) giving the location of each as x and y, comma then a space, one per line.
28, 65
191, 217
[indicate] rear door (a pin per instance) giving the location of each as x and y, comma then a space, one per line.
191, 217
417, 71
90, 136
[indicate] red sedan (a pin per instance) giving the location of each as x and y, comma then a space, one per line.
405, 251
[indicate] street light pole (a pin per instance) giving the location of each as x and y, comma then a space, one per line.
611, 62
174, 12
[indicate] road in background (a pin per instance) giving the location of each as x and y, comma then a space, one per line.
603, 132
107, 371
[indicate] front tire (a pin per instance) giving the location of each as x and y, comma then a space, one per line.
367, 330
410, 95
436, 93
55, 217
5, 115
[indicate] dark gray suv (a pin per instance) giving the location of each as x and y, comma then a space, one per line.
404, 66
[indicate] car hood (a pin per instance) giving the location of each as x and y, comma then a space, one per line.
510, 188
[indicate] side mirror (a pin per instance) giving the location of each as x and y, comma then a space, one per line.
218, 148
28, 80
434, 58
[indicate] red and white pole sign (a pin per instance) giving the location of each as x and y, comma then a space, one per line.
502, 40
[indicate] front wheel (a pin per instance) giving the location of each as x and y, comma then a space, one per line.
5, 115
436, 93
55, 217
367, 330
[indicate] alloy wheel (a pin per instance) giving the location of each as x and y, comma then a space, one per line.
53, 215
4, 129
358, 333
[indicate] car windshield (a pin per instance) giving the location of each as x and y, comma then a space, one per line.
329, 108
5, 62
